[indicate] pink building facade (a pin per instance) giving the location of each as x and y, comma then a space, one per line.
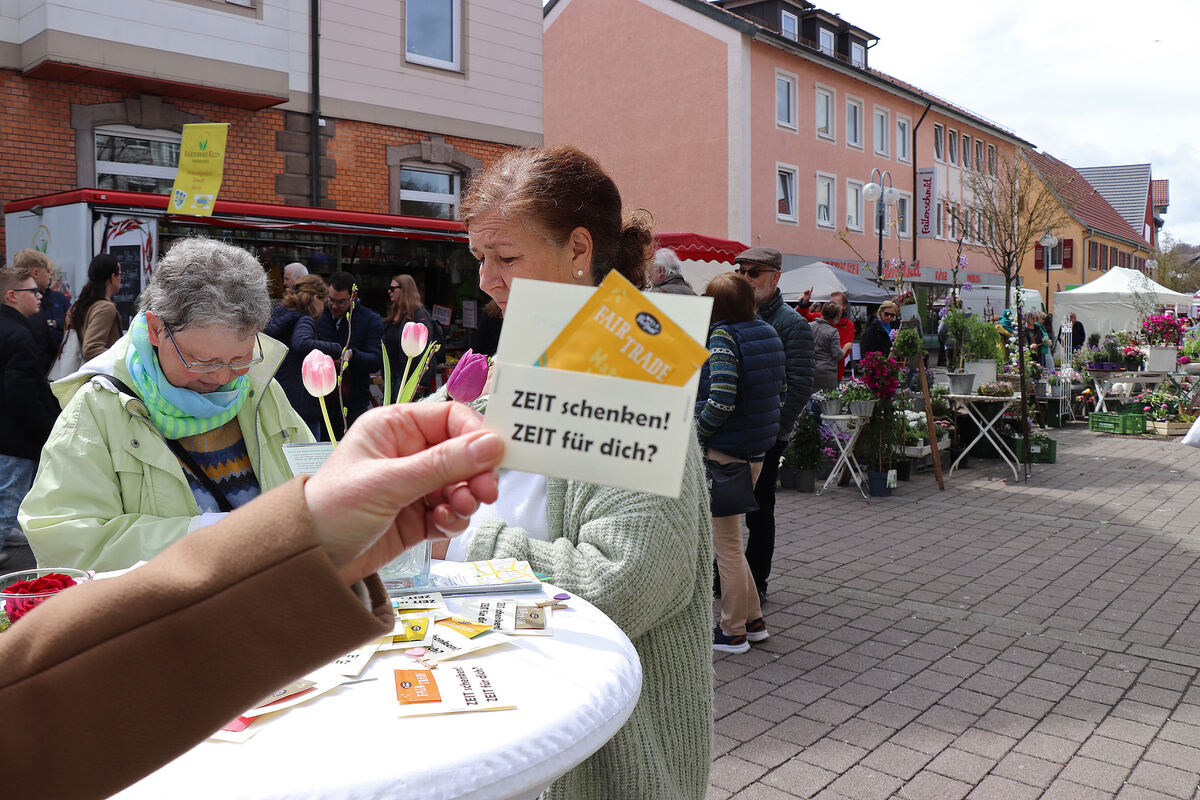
764, 126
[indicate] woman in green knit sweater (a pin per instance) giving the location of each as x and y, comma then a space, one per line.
644, 560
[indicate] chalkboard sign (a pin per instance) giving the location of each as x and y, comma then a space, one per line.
130, 258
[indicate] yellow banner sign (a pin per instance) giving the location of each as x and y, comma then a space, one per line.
201, 166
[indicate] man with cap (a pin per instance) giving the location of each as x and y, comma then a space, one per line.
762, 267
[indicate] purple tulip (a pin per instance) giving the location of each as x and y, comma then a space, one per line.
468, 378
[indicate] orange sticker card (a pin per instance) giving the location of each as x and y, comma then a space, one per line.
416, 686
620, 332
466, 627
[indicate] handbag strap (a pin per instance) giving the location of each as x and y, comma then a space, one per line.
180, 452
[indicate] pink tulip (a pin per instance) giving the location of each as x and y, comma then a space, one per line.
468, 378
413, 339
318, 373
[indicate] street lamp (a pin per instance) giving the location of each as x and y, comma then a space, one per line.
1049, 241
882, 194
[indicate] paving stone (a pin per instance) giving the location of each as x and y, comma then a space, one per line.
1027, 769
1111, 751
930, 784
1127, 731
1097, 774
862, 733
800, 730
994, 787
835, 756
895, 760
732, 773
1162, 778
864, 783
799, 778
1063, 789
956, 763
767, 751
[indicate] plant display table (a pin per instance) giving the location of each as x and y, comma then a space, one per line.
848, 424
978, 407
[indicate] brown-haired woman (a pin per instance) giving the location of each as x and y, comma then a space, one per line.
294, 322
94, 316
737, 421
406, 307
646, 561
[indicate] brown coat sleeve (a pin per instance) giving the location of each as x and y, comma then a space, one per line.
109, 681
101, 328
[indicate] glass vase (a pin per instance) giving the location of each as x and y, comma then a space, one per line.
409, 570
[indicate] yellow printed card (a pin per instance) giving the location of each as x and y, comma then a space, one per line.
619, 332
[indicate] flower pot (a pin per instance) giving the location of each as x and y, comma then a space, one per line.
787, 477
961, 382
983, 369
904, 470
862, 408
1162, 359
806, 480
831, 408
1193, 368
877, 484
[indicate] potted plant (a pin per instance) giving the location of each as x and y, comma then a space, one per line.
859, 398
1132, 357
803, 452
830, 402
880, 441
958, 323
1163, 333
1191, 352
981, 347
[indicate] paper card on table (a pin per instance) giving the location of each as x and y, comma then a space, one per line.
296, 687
416, 686
322, 685
614, 431
620, 332
466, 627
506, 573
448, 643
460, 688
411, 630
514, 617
427, 601
353, 663
305, 458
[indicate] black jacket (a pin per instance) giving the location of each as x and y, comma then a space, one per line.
27, 407
876, 339
298, 330
365, 333
797, 337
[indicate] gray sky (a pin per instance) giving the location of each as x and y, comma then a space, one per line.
1090, 83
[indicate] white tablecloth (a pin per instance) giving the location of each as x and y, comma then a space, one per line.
573, 692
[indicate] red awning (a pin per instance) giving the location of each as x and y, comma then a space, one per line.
698, 247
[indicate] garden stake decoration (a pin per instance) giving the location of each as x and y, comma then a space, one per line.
320, 378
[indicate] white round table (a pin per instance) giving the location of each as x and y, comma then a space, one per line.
573, 691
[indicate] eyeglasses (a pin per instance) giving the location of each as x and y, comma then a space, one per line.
35, 290
754, 272
887, 314
393, 288
202, 367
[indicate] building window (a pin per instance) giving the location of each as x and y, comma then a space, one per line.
1056, 255
966, 151
991, 159
785, 100
854, 205
904, 215
858, 55
938, 137
854, 116
825, 200
902, 144
425, 193
135, 160
938, 222
978, 155
952, 140
826, 42
432, 33
882, 129
952, 217
1093, 257
790, 26
825, 121
785, 193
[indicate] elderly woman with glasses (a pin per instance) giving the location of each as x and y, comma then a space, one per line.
877, 338
177, 423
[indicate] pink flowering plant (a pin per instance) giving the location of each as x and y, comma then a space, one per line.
1163, 329
881, 374
414, 341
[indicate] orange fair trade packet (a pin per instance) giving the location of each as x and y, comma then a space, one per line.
620, 332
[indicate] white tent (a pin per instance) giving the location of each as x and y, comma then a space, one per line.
823, 279
1116, 301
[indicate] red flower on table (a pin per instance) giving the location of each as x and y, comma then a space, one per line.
48, 584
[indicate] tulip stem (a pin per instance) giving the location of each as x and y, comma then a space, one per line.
328, 424
403, 381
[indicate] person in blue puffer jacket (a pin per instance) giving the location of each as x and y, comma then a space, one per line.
737, 419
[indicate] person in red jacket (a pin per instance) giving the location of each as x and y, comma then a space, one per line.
844, 325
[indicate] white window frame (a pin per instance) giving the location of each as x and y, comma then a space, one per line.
858, 55
453, 199
952, 146
966, 151
991, 159
904, 153
980, 154
883, 114
855, 103
826, 179
455, 63
904, 226
951, 221
135, 170
792, 81
830, 95
787, 16
792, 172
939, 142
939, 214
821, 34
854, 192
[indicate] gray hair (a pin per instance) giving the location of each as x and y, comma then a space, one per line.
666, 260
296, 270
203, 282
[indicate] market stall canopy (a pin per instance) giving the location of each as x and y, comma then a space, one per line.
697, 247
824, 279
1116, 301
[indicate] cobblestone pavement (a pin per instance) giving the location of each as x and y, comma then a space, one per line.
993, 641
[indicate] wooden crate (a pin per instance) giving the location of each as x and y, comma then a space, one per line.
1167, 428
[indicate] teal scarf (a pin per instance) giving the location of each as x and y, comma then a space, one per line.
174, 411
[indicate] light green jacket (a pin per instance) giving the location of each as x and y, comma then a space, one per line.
110, 493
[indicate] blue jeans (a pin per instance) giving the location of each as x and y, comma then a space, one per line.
16, 477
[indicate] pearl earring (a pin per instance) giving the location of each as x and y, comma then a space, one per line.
578, 273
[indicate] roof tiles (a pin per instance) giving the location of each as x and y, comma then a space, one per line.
1083, 199
1126, 187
